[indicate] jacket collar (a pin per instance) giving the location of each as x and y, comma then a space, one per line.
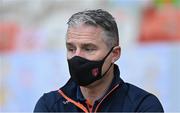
72, 90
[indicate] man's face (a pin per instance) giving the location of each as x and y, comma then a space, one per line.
86, 41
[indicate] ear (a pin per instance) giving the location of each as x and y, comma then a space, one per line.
116, 53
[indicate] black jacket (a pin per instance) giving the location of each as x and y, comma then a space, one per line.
121, 97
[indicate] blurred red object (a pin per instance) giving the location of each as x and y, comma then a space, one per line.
160, 25
8, 34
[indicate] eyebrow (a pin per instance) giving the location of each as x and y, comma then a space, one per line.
69, 44
82, 45
89, 45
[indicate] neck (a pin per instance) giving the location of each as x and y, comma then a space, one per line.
97, 89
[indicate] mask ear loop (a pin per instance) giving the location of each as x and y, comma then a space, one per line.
107, 70
108, 53
105, 58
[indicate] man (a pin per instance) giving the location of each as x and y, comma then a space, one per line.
95, 85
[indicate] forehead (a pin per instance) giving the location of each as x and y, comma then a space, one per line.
86, 32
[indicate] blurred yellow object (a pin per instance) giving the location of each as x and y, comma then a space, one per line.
2, 96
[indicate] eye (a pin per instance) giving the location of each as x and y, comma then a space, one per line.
71, 49
89, 49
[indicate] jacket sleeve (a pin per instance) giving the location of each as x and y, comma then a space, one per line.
150, 104
41, 105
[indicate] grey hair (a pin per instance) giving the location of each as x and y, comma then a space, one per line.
97, 18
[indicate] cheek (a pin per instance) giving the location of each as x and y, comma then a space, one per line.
68, 55
93, 56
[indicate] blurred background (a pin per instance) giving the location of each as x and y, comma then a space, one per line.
33, 53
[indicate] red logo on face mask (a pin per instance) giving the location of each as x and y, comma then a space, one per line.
95, 72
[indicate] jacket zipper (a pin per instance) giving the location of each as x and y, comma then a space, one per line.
81, 106
90, 109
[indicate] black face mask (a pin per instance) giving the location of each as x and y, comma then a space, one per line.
84, 71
